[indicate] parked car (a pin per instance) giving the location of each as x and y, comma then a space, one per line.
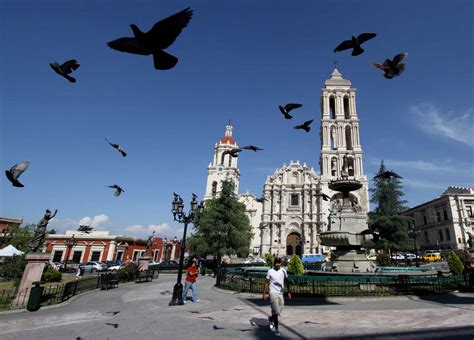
410, 256
398, 257
93, 266
252, 260
432, 258
169, 263
313, 258
115, 268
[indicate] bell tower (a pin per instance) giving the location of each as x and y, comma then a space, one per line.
223, 166
339, 133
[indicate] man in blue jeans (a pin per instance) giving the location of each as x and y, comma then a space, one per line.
191, 275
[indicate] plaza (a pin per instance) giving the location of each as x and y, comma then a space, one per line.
144, 314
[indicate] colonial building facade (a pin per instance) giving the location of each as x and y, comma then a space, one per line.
293, 211
80, 247
445, 222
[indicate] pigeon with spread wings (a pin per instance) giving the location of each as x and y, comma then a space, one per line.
118, 147
251, 147
305, 126
355, 43
65, 69
392, 68
285, 110
118, 189
15, 172
158, 38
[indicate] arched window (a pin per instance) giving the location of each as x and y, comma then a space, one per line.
214, 188
347, 114
332, 138
334, 166
348, 138
350, 166
332, 107
230, 160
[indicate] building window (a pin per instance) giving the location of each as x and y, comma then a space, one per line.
294, 200
135, 255
348, 138
332, 107
256, 250
156, 255
119, 256
445, 214
438, 215
427, 239
214, 188
448, 235
424, 220
440, 233
469, 211
76, 257
58, 255
347, 114
95, 256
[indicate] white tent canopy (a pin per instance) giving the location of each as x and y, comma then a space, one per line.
10, 251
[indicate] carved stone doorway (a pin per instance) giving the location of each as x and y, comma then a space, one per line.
293, 244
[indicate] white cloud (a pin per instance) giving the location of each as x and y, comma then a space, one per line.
458, 127
97, 222
423, 184
417, 165
135, 228
161, 230
63, 224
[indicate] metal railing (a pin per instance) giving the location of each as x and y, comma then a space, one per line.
348, 285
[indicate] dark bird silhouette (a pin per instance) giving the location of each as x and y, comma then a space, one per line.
251, 147
113, 313
216, 327
160, 37
115, 325
387, 175
324, 196
194, 311
232, 152
261, 199
392, 68
287, 108
305, 126
15, 172
65, 69
118, 147
355, 43
87, 229
206, 317
118, 190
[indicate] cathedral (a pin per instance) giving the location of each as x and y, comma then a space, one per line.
296, 201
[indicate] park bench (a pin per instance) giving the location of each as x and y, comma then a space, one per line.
108, 280
143, 275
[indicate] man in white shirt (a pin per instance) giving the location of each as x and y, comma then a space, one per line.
276, 279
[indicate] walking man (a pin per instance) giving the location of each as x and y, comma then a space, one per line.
276, 279
191, 275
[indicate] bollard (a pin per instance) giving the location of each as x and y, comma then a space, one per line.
34, 301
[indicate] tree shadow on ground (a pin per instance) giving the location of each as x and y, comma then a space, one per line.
448, 299
458, 333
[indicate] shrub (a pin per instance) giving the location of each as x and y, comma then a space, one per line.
455, 264
295, 266
51, 275
126, 274
269, 260
384, 260
13, 268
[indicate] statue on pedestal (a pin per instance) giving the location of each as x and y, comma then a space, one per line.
40, 231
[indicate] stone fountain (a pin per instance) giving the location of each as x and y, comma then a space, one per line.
347, 229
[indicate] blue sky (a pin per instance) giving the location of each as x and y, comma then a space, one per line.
238, 60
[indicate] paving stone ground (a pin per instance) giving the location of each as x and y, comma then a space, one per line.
144, 314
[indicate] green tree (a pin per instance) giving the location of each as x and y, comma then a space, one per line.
455, 263
13, 268
22, 236
223, 228
269, 259
388, 219
295, 266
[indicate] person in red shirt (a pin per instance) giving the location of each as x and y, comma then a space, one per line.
191, 275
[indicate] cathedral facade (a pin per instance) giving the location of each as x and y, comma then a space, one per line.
296, 201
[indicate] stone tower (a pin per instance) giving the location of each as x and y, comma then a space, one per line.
339, 133
222, 166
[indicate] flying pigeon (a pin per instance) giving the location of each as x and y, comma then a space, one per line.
116, 146
355, 43
261, 199
287, 108
388, 175
118, 190
392, 68
251, 147
305, 126
160, 37
114, 325
65, 69
113, 313
216, 327
15, 172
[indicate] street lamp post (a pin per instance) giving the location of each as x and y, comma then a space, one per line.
414, 233
69, 244
181, 217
